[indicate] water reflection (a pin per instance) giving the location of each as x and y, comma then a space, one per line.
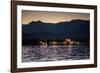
54, 52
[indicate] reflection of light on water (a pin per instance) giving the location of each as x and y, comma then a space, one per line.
54, 46
54, 52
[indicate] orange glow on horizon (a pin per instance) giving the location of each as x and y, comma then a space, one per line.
51, 17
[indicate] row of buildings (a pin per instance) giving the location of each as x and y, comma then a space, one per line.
67, 41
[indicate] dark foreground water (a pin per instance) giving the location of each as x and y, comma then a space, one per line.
54, 53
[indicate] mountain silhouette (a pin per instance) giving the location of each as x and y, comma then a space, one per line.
75, 29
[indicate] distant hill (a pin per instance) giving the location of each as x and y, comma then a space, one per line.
75, 29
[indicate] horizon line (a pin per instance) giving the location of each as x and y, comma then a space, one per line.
56, 22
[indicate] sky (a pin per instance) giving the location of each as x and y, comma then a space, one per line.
51, 17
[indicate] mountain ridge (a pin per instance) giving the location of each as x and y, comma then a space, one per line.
75, 29
54, 23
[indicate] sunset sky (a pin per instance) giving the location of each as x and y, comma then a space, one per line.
51, 17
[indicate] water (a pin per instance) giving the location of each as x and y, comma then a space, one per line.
54, 53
